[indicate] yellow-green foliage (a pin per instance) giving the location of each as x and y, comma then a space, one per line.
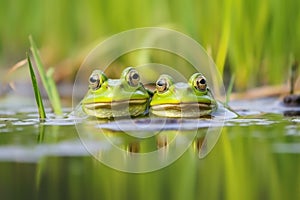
253, 38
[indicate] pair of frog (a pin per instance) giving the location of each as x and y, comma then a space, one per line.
109, 98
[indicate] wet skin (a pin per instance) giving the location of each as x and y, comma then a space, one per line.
192, 99
109, 98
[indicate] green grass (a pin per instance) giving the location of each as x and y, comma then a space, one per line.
254, 38
46, 78
37, 94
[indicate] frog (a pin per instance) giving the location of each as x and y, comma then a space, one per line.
190, 99
114, 98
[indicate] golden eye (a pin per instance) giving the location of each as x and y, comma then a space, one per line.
133, 78
200, 83
162, 85
96, 79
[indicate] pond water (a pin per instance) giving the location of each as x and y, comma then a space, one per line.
255, 156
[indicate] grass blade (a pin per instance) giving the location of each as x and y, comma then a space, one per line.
47, 80
225, 37
38, 98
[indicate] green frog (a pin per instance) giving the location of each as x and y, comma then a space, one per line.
109, 98
192, 99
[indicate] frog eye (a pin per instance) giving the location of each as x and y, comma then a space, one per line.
162, 85
96, 79
200, 83
133, 78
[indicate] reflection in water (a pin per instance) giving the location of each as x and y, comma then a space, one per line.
162, 141
251, 160
140, 150
291, 113
133, 147
198, 142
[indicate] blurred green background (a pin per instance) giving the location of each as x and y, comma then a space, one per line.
255, 40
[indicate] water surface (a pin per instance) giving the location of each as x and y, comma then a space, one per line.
257, 156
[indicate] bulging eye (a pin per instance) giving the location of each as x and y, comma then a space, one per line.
162, 85
96, 79
200, 83
133, 78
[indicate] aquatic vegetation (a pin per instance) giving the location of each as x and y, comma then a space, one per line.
257, 155
253, 40
46, 78
38, 98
